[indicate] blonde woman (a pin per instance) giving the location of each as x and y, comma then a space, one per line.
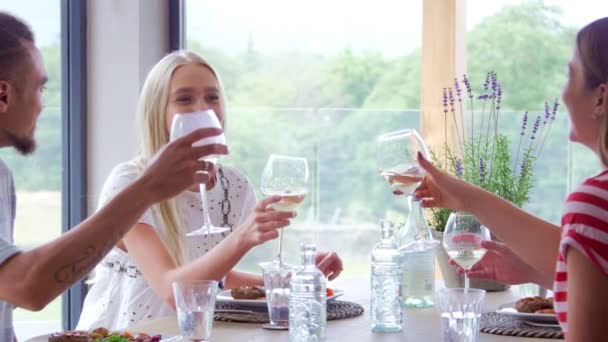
133, 282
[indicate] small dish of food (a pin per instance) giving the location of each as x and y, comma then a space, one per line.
98, 335
255, 296
531, 309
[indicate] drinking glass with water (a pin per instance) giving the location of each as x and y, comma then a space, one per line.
460, 313
277, 280
195, 304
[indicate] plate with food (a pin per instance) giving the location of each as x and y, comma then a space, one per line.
256, 296
531, 309
543, 325
99, 335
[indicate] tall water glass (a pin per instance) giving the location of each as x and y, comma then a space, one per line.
277, 280
195, 304
460, 313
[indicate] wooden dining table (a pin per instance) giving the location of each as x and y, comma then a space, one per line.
419, 324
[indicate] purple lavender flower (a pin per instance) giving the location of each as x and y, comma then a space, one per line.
535, 127
498, 95
457, 89
524, 124
459, 168
467, 85
555, 105
482, 170
486, 83
451, 97
547, 113
524, 166
445, 101
494, 83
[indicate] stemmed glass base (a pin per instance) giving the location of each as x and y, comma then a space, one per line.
276, 326
207, 228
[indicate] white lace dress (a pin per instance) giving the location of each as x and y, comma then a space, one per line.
120, 295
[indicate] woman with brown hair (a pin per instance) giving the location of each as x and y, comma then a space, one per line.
580, 279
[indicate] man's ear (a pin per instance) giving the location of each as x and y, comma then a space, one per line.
5, 95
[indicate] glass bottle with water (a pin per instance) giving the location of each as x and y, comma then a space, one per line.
386, 277
417, 248
307, 300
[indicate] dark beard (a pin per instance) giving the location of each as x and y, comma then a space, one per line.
24, 145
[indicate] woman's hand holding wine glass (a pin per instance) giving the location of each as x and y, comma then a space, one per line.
462, 240
396, 159
264, 223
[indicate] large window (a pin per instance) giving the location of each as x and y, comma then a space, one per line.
38, 177
319, 79
528, 44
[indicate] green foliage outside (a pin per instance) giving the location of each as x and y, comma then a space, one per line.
294, 102
331, 108
525, 44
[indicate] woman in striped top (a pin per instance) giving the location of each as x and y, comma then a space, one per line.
580, 247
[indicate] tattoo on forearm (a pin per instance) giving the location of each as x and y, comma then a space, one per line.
77, 269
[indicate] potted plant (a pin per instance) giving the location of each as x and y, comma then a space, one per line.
483, 156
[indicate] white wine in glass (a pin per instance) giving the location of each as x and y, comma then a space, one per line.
397, 160
462, 240
184, 124
403, 177
290, 200
285, 176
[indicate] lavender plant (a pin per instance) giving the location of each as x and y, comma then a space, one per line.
483, 154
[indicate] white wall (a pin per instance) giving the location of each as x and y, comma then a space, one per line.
124, 39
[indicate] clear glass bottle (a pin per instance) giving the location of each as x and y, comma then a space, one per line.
307, 300
417, 247
386, 277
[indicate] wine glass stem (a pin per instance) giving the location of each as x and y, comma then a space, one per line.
206, 219
466, 280
411, 200
279, 257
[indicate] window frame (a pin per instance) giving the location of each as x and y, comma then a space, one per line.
74, 137
177, 24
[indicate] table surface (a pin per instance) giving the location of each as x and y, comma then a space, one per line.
419, 324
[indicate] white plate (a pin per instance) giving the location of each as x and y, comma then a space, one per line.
226, 297
543, 325
509, 309
45, 338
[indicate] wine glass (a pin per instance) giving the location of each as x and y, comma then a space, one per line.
184, 124
462, 241
287, 177
397, 160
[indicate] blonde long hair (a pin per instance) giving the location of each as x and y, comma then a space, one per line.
152, 132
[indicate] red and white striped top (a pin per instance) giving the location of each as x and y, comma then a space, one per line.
584, 227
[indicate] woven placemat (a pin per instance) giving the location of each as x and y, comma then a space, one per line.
336, 309
499, 324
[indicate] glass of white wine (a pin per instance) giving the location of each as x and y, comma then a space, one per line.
397, 160
462, 240
285, 176
184, 124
